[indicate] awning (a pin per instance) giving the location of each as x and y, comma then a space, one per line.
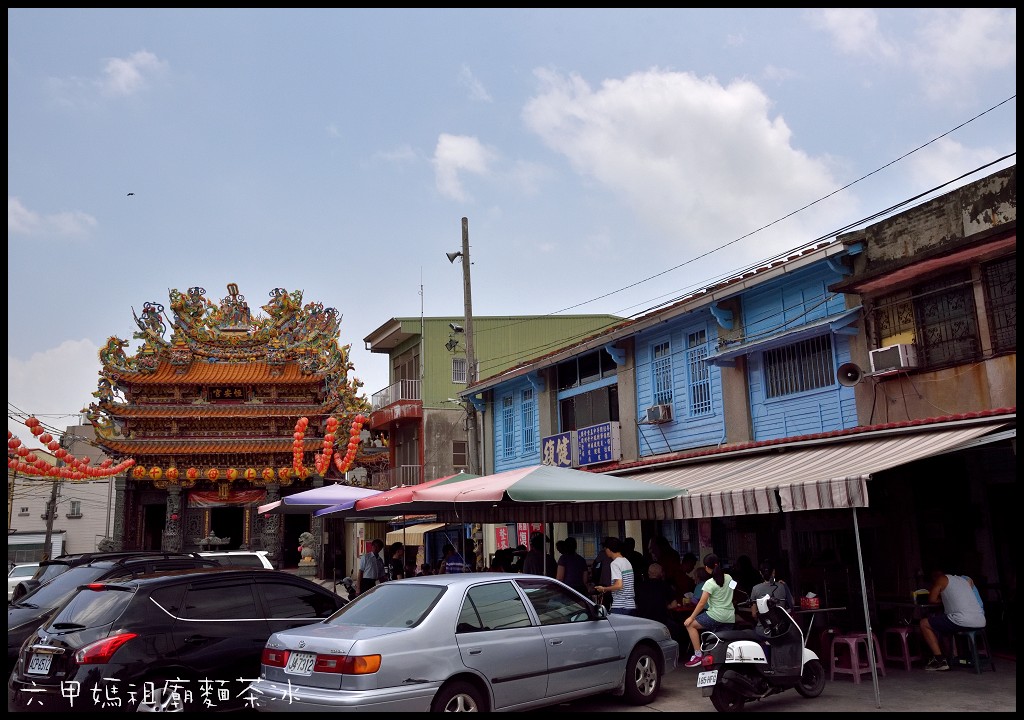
833, 323
412, 534
804, 476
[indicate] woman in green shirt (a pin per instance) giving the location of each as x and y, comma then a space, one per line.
714, 609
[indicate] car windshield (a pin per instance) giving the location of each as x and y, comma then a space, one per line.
90, 608
393, 604
50, 570
60, 588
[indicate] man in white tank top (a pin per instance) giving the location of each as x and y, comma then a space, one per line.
961, 610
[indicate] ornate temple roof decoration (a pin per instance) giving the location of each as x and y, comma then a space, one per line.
214, 346
204, 332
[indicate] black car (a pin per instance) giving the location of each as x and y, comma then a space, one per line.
187, 640
28, 610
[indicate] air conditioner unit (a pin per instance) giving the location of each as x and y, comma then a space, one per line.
893, 357
659, 413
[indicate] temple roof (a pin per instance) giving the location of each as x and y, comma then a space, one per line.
219, 373
205, 446
213, 410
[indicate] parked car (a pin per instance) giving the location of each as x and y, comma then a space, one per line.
186, 640
27, 611
22, 571
242, 558
462, 643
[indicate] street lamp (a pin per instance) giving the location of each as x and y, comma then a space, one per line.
467, 330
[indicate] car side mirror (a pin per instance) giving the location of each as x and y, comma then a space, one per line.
601, 612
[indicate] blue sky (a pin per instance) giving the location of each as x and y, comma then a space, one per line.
607, 160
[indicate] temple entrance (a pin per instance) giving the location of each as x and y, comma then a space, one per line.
228, 522
154, 520
294, 525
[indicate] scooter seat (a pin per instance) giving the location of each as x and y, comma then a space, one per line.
743, 634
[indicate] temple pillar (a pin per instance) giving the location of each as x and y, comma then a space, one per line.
270, 535
120, 487
172, 520
316, 527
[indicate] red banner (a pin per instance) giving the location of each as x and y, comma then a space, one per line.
501, 537
212, 498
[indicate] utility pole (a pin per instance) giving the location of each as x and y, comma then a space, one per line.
51, 508
474, 453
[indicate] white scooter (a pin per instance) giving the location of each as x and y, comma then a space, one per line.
751, 664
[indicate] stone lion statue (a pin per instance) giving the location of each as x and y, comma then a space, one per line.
306, 548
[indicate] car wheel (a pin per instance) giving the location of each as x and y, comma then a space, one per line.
812, 681
458, 696
726, 700
166, 697
643, 679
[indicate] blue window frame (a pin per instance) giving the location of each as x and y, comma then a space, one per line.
508, 427
698, 374
661, 372
528, 410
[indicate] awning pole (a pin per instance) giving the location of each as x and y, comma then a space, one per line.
867, 613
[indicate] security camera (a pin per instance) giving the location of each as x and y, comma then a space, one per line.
455, 327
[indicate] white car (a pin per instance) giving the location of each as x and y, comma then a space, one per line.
16, 574
241, 558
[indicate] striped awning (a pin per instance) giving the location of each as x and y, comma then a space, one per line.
803, 476
412, 534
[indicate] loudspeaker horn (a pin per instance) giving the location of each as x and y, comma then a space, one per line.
849, 374
452, 256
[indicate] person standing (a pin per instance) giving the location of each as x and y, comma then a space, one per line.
572, 568
452, 562
714, 609
636, 559
371, 567
622, 585
538, 562
395, 567
961, 610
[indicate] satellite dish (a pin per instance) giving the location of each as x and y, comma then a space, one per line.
849, 374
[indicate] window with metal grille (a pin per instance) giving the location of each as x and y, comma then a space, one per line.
661, 373
460, 454
459, 370
1000, 279
528, 410
508, 427
799, 367
699, 376
947, 320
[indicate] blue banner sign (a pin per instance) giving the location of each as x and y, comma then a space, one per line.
557, 450
597, 444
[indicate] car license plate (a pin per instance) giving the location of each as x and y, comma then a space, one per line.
39, 664
300, 663
707, 679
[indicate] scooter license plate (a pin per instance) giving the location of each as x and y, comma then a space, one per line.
707, 679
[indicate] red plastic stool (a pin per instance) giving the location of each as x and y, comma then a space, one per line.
853, 642
896, 645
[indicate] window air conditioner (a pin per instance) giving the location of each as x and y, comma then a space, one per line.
659, 413
893, 357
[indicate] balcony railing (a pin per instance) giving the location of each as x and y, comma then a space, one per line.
401, 390
401, 475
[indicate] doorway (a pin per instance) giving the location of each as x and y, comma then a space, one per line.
153, 523
294, 525
228, 522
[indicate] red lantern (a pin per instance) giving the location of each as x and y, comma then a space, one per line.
31, 422
174, 517
192, 473
213, 474
46, 438
22, 451
298, 437
139, 472
13, 443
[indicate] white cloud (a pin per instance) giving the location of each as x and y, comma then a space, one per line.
856, 32
701, 163
456, 154
54, 385
402, 154
477, 91
22, 221
945, 159
954, 47
127, 76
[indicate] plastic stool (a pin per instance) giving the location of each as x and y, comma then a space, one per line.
974, 639
853, 642
900, 637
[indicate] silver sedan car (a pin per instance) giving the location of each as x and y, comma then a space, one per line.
473, 642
